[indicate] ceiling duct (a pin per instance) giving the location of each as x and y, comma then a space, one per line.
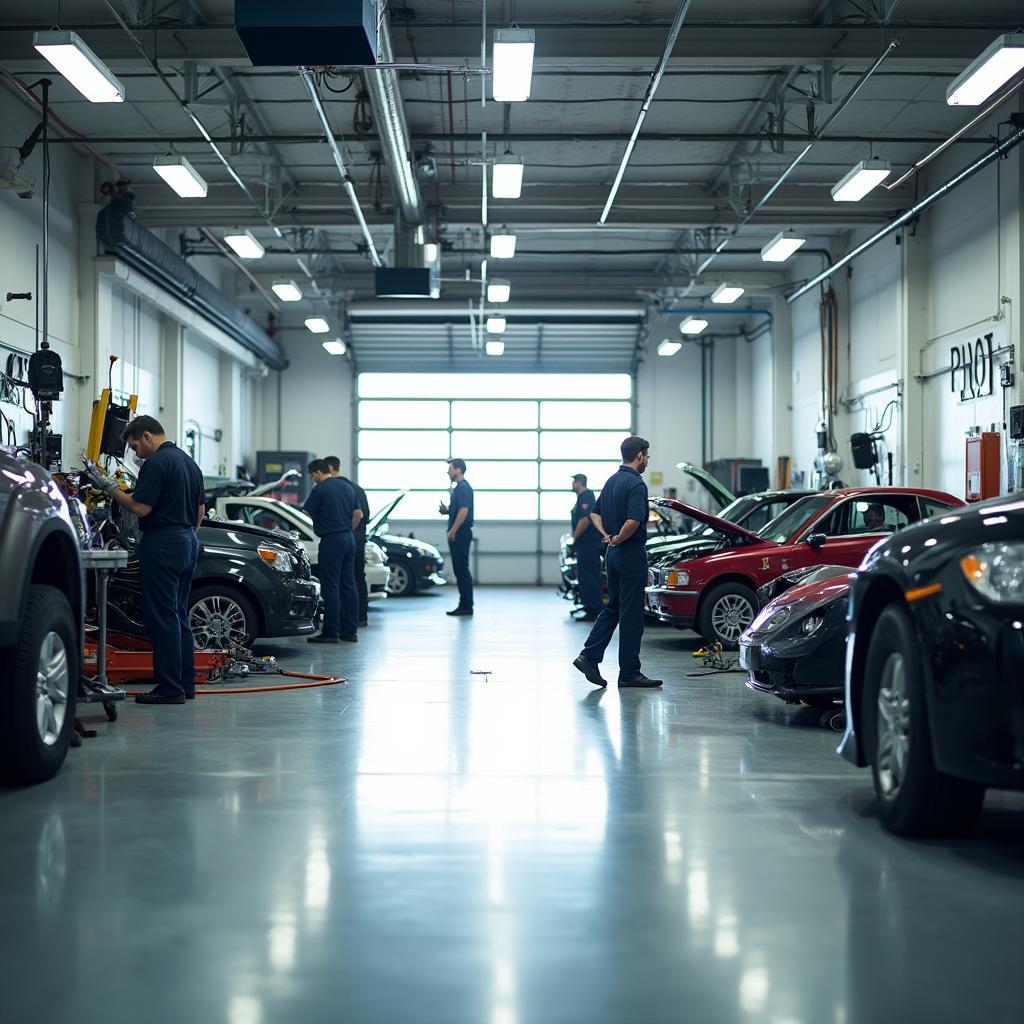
314, 32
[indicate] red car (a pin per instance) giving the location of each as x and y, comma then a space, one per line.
715, 594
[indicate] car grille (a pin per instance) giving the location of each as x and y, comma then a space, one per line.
305, 572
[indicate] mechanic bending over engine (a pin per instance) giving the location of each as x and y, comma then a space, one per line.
168, 499
334, 465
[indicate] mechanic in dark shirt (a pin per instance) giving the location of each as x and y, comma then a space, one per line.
334, 465
169, 501
586, 542
620, 515
459, 511
335, 514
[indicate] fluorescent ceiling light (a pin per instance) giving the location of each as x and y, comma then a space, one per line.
507, 177
512, 71
245, 244
496, 324
498, 290
80, 66
726, 293
503, 244
669, 347
868, 174
181, 176
287, 291
692, 325
996, 65
336, 347
494, 347
430, 252
781, 247
317, 324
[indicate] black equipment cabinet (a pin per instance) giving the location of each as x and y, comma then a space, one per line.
271, 466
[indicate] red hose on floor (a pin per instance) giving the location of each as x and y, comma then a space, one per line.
315, 682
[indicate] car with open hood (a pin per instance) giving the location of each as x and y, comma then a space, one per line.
414, 564
715, 592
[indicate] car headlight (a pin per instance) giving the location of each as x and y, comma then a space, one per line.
780, 618
374, 555
280, 559
677, 578
996, 571
811, 624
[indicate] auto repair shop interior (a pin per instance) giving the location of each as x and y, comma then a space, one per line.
780, 242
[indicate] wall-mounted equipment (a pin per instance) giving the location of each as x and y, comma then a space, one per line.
981, 472
272, 466
312, 33
741, 476
45, 374
865, 451
1017, 422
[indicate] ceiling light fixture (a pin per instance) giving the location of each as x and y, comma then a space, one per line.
507, 177
782, 246
245, 244
512, 71
994, 67
693, 325
669, 347
855, 185
80, 66
317, 324
431, 251
503, 244
336, 347
499, 290
496, 325
726, 293
287, 291
494, 347
181, 176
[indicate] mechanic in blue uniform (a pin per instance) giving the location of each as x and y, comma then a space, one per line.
335, 513
363, 503
459, 511
620, 515
169, 501
586, 542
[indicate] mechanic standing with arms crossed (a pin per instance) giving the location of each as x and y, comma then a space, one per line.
168, 499
332, 507
586, 541
620, 514
459, 511
363, 503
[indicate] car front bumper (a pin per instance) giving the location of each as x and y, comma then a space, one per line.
796, 669
676, 607
295, 613
377, 577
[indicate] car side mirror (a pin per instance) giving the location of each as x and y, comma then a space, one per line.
816, 540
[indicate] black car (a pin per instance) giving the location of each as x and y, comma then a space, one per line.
414, 564
795, 647
935, 667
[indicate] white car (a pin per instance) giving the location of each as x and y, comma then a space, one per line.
258, 509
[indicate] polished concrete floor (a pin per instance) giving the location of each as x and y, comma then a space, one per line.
468, 832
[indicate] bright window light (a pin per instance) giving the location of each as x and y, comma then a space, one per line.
503, 244
245, 244
868, 174
287, 291
781, 247
531, 386
317, 324
693, 325
80, 66
512, 71
430, 252
494, 347
499, 290
507, 177
726, 293
669, 347
336, 347
181, 176
496, 324
996, 65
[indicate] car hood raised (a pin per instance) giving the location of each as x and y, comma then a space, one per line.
721, 525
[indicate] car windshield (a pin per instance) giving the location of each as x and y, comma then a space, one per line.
787, 523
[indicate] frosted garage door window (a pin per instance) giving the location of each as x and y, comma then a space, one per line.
519, 505
495, 385
506, 415
403, 444
556, 506
494, 444
555, 476
399, 475
499, 476
565, 444
419, 415
586, 416
416, 505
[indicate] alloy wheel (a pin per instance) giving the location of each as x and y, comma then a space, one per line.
52, 681
730, 616
217, 622
399, 581
893, 726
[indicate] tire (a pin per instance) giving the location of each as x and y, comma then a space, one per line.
219, 615
725, 612
402, 582
914, 798
36, 725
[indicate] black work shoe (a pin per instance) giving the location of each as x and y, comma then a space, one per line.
638, 679
363, 623
460, 611
349, 638
158, 698
190, 696
590, 670
321, 639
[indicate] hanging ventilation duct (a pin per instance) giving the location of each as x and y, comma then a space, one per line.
120, 235
307, 34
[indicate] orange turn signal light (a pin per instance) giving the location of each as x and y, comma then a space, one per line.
268, 554
972, 568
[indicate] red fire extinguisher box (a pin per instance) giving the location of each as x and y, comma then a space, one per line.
982, 466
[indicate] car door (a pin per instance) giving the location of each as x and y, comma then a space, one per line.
855, 525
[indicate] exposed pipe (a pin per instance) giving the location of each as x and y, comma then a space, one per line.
339, 162
240, 267
1004, 147
717, 312
652, 88
389, 114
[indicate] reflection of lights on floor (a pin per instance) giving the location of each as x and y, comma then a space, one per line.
318, 877
753, 989
727, 940
282, 947
244, 1010
698, 902
673, 848
503, 1015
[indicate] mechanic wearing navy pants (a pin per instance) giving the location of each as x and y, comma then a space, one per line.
620, 515
168, 499
334, 465
332, 507
586, 541
459, 511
